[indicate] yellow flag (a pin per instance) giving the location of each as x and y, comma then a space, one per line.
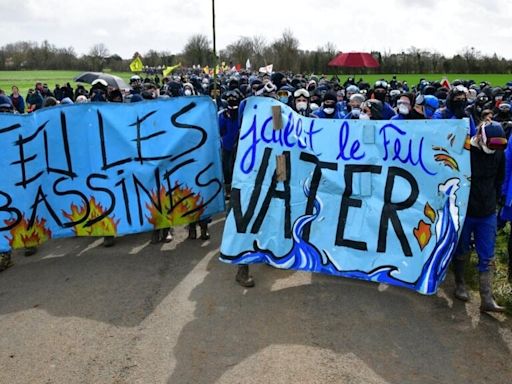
168, 70
136, 65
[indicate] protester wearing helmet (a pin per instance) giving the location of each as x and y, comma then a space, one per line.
476, 108
328, 109
425, 106
135, 84
504, 113
301, 102
487, 174
455, 108
371, 110
416, 108
379, 92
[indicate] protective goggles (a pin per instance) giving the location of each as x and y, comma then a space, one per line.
381, 84
504, 107
301, 92
495, 143
459, 89
283, 93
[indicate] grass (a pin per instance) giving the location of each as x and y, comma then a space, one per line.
27, 79
497, 80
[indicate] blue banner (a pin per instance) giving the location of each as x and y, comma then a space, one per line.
108, 169
375, 200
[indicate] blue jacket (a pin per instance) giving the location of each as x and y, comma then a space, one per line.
321, 114
387, 112
506, 190
229, 128
445, 113
20, 106
342, 106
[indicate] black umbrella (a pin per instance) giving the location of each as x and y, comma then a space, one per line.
113, 81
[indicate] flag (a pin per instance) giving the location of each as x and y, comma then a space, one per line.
238, 67
267, 69
168, 70
136, 65
248, 64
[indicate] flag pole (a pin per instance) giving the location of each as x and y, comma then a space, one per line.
214, 50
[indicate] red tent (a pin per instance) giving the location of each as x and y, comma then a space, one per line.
354, 60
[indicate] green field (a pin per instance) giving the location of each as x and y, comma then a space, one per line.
26, 79
498, 80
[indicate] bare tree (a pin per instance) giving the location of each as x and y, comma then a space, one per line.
197, 51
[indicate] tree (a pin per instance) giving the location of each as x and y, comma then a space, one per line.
98, 55
197, 51
285, 51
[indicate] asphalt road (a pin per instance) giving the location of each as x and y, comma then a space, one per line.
139, 313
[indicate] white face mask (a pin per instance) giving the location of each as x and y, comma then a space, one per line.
356, 112
187, 92
329, 111
301, 105
364, 116
314, 106
403, 109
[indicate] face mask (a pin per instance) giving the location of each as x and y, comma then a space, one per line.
458, 108
380, 96
187, 92
356, 112
205, 86
329, 111
403, 110
364, 116
301, 105
283, 99
314, 106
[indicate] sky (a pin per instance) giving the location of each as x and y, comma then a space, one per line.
126, 26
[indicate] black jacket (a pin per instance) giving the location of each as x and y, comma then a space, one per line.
487, 174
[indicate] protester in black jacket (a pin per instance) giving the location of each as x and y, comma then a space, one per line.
487, 174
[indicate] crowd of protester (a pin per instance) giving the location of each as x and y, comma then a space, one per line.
487, 107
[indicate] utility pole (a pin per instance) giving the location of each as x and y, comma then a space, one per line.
214, 51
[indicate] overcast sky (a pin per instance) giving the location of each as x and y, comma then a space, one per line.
126, 26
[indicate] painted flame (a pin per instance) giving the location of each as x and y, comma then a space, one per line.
183, 199
467, 143
105, 227
429, 212
23, 237
447, 160
422, 234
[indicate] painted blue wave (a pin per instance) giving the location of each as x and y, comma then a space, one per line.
303, 255
306, 257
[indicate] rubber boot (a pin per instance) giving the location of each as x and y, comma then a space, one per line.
461, 292
488, 304
155, 236
205, 235
192, 232
243, 278
108, 241
169, 235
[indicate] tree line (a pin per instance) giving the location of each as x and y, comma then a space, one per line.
284, 53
